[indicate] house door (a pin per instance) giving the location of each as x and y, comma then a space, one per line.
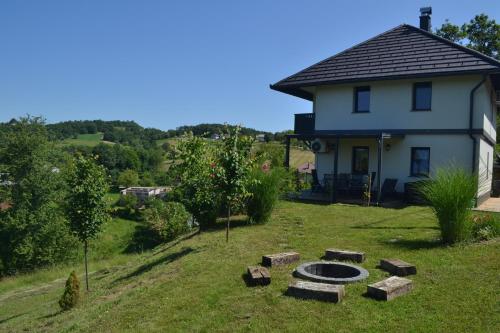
360, 157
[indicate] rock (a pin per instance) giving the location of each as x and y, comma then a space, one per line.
336, 254
390, 288
398, 267
280, 258
318, 291
258, 275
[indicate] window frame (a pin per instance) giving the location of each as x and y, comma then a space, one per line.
417, 85
412, 172
353, 158
356, 99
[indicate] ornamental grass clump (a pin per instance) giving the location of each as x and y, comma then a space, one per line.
71, 294
451, 194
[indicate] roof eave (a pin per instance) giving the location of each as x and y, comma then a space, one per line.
294, 91
286, 88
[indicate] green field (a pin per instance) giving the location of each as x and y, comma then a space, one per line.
196, 284
89, 140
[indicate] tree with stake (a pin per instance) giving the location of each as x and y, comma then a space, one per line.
86, 208
234, 169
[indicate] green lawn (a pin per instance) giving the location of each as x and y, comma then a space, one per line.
196, 284
89, 140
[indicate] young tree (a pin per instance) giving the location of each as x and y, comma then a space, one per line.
128, 178
86, 208
233, 169
197, 187
480, 34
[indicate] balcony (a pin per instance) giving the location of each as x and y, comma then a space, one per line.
304, 123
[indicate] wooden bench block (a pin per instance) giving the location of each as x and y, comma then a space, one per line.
398, 267
318, 291
390, 288
280, 258
336, 254
258, 275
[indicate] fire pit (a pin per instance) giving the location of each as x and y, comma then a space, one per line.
331, 272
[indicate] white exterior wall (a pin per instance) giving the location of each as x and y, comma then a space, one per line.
484, 167
445, 150
390, 108
391, 104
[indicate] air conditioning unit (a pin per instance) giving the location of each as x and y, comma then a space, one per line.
319, 146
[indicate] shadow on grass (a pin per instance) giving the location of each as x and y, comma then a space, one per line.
415, 244
3, 321
51, 315
221, 224
162, 260
395, 228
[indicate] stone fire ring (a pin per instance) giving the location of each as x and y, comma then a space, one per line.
331, 272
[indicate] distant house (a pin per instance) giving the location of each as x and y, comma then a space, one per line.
143, 193
260, 137
396, 107
215, 136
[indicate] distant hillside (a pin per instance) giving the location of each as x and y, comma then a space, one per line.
129, 132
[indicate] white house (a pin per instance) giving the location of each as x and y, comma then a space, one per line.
143, 193
399, 106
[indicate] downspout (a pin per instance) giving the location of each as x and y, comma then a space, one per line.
471, 120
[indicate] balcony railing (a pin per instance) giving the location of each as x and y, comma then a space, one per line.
304, 123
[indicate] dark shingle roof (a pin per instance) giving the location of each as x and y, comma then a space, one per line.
404, 51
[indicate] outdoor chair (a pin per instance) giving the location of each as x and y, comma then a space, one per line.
388, 188
315, 186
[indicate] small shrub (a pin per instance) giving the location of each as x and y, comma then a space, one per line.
485, 227
71, 294
451, 194
167, 220
265, 191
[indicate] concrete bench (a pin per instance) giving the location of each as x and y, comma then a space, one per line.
258, 275
390, 288
280, 259
336, 254
318, 291
398, 267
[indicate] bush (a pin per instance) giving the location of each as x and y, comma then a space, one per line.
71, 294
265, 191
451, 194
167, 220
485, 227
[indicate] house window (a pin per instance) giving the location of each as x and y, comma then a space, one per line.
420, 160
360, 160
422, 96
362, 99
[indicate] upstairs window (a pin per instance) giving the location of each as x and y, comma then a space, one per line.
422, 96
362, 99
420, 161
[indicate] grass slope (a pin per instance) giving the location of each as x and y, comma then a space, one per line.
196, 284
89, 140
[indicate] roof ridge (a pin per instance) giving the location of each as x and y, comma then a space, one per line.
339, 53
492, 60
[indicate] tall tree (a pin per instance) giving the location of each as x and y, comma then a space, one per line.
481, 34
86, 207
33, 232
234, 169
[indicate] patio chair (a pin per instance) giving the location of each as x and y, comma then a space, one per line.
315, 186
343, 181
357, 184
388, 188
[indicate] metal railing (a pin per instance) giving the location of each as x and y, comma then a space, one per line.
304, 123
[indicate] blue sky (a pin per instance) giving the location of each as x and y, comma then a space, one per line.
171, 63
